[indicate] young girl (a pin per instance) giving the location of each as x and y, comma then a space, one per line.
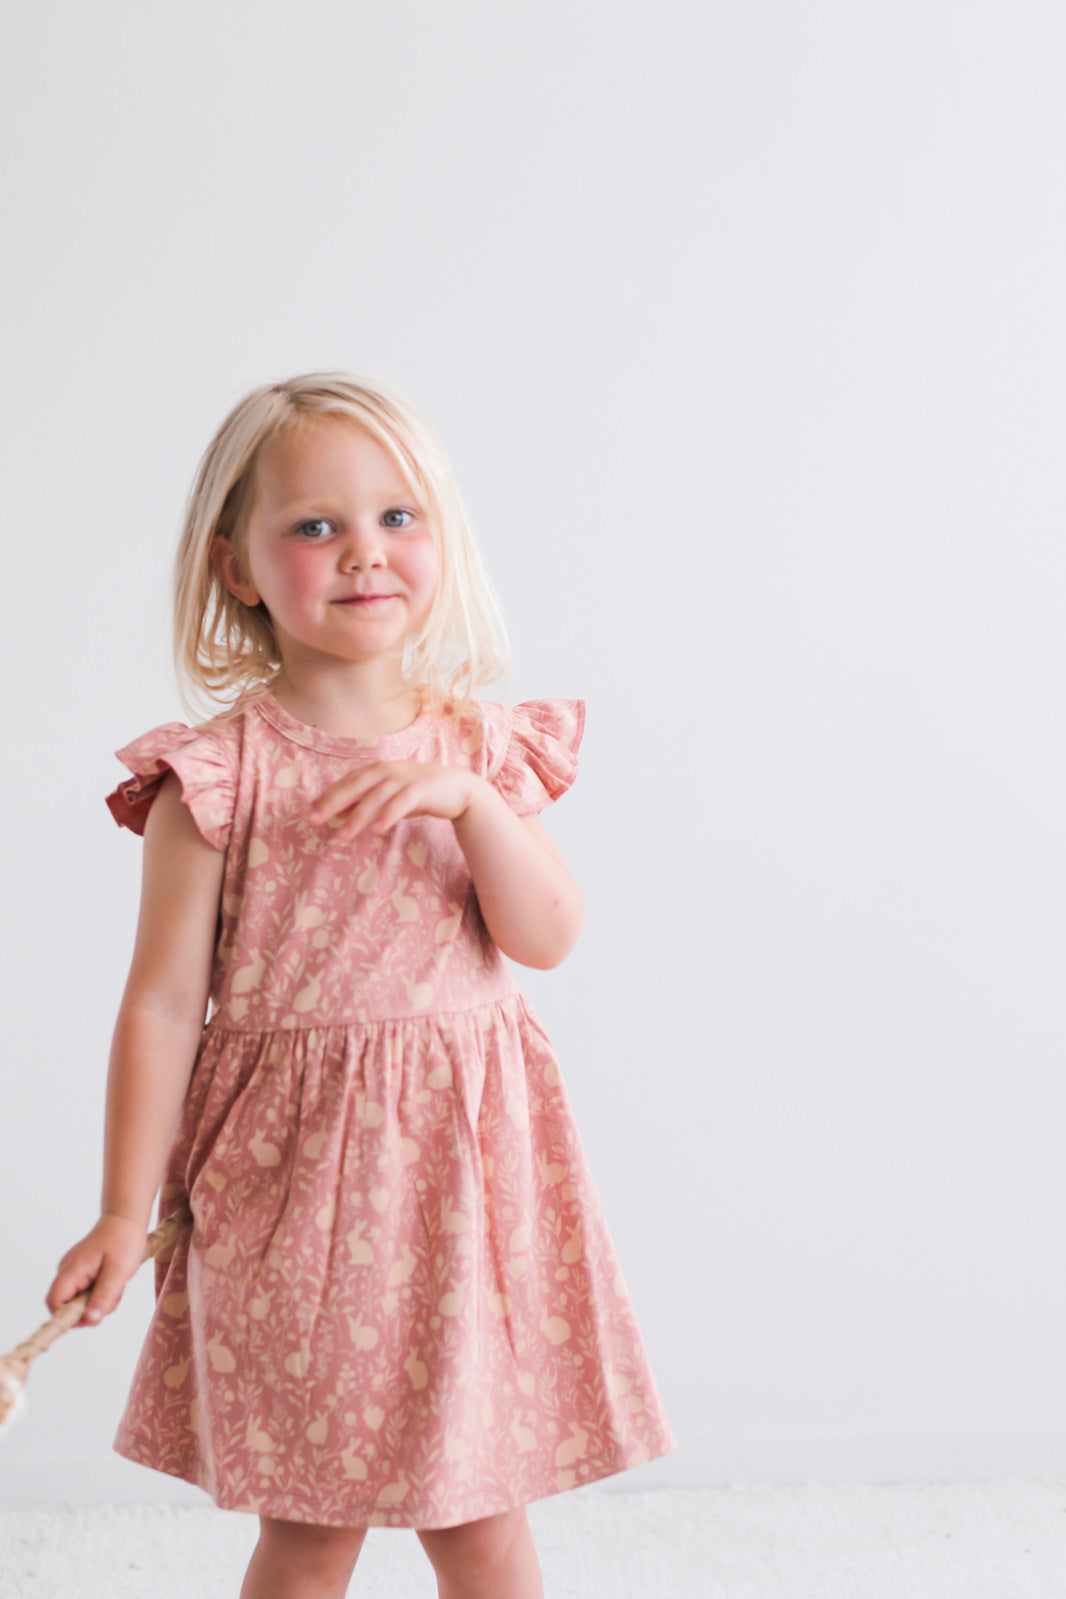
397, 1303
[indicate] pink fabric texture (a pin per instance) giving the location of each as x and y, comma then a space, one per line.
399, 1303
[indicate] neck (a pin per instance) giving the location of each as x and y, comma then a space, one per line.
352, 704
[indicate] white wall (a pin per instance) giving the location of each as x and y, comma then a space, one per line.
742, 324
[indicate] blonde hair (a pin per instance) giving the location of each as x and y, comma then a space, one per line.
226, 651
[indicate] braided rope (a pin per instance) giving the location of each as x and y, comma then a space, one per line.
15, 1366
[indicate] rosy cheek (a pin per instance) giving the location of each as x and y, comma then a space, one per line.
428, 568
297, 569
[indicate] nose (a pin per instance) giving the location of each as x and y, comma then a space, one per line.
362, 548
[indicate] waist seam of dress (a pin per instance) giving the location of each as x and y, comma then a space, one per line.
377, 1021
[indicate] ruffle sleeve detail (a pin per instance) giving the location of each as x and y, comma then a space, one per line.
206, 768
539, 761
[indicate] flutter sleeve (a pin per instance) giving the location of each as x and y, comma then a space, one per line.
206, 767
537, 760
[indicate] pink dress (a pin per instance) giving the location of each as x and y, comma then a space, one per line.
399, 1303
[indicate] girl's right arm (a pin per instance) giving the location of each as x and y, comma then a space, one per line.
160, 1022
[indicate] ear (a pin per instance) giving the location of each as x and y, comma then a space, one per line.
227, 563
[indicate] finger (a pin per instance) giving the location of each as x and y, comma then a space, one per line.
356, 814
336, 801
107, 1291
344, 792
70, 1282
369, 811
409, 801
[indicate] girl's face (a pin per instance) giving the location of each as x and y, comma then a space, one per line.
336, 546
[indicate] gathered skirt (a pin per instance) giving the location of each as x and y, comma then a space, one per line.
398, 1303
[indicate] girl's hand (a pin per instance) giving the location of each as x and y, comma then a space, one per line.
381, 794
529, 901
107, 1257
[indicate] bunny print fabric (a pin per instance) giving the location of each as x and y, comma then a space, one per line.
398, 1303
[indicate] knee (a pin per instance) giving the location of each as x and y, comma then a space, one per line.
476, 1548
323, 1554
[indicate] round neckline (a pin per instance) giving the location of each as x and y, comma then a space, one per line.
313, 738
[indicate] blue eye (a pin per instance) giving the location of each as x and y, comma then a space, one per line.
396, 512
314, 522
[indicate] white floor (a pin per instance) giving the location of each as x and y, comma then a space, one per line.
991, 1540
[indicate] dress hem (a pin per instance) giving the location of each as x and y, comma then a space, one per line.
128, 1445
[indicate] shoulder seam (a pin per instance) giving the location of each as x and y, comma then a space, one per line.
226, 732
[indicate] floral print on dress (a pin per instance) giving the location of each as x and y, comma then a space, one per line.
399, 1303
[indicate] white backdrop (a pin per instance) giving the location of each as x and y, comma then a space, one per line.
742, 326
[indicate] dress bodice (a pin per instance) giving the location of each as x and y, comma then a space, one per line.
314, 931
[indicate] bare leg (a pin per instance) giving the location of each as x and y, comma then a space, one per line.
489, 1559
296, 1560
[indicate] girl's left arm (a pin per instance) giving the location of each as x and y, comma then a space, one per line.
530, 903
